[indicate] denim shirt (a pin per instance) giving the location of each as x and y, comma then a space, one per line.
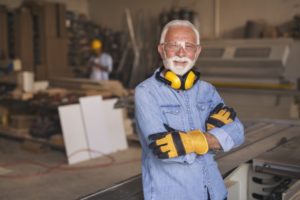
188, 177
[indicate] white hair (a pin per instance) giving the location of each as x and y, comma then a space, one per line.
179, 23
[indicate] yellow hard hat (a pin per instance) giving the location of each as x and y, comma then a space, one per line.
96, 44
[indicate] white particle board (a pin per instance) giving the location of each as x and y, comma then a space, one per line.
95, 120
74, 133
115, 124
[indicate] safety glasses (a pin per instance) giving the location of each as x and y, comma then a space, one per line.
176, 46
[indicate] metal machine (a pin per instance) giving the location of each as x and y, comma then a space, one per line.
274, 174
259, 78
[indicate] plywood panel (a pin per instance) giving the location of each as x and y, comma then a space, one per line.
74, 133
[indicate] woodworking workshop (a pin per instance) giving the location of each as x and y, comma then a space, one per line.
150, 100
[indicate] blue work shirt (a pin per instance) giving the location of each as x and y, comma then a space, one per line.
192, 176
105, 60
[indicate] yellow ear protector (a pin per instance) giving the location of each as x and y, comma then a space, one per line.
184, 82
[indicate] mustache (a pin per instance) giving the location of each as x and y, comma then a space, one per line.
180, 59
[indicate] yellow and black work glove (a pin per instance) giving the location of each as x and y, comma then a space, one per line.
176, 143
220, 116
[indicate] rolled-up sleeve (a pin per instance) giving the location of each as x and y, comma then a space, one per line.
230, 135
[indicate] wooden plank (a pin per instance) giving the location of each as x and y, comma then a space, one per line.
61, 20
50, 19
57, 58
24, 38
74, 133
3, 34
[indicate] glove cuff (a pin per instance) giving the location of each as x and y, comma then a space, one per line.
199, 142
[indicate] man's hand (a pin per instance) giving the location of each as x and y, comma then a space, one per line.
220, 116
177, 143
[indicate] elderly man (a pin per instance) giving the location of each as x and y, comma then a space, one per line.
181, 122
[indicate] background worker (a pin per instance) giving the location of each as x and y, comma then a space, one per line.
182, 121
101, 63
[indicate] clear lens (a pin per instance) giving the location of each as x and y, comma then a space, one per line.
188, 47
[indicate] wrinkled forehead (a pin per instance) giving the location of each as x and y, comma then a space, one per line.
181, 34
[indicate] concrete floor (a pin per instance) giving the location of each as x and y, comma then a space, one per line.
20, 179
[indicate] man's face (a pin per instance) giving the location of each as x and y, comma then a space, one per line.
179, 51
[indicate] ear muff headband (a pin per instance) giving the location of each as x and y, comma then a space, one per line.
185, 82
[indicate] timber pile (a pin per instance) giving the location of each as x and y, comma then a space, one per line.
108, 88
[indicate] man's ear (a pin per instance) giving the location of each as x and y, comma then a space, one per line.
198, 51
161, 51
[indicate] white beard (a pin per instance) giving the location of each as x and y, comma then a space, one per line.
180, 70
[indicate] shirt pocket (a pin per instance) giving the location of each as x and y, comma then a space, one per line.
172, 115
204, 108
